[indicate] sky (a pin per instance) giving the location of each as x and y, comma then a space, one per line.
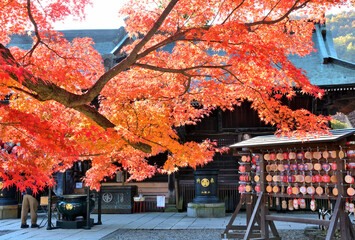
103, 15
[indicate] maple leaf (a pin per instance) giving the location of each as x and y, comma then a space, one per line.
223, 53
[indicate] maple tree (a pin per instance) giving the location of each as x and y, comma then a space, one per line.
224, 52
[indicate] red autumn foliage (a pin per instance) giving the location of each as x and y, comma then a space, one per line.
225, 52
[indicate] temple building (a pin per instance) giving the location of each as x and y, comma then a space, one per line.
323, 68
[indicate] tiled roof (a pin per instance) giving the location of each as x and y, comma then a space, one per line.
105, 39
323, 68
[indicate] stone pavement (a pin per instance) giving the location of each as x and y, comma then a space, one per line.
10, 228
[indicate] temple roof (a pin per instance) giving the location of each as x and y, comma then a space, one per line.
323, 67
105, 39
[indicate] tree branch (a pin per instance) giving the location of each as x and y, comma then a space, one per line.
94, 115
71, 100
49, 91
240, 4
132, 57
172, 70
187, 87
24, 91
36, 29
255, 90
211, 41
10, 124
293, 8
39, 39
272, 9
45, 90
219, 10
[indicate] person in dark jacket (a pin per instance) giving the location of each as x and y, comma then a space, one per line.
29, 203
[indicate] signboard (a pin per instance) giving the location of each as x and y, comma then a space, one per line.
161, 201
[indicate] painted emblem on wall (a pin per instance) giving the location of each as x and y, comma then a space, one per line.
68, 206
121, 197
205, 182
107, 197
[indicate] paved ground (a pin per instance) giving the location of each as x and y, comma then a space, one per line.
152, 226
191, 234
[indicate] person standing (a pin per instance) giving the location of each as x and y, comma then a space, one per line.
29, 203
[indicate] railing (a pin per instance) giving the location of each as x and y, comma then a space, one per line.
186, 192
151, 205
228, 192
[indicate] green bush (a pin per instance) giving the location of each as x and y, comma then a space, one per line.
335, 124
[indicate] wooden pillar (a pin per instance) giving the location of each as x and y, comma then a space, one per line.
64, 182
344, 229
171, 188
171, 205
264, 224
249, 206
99, 207
219, 120
88, 225
49, 223
253, 217
264, 202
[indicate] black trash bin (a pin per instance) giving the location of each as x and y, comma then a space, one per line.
7, 195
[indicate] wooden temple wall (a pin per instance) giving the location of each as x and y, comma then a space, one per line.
226, 128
